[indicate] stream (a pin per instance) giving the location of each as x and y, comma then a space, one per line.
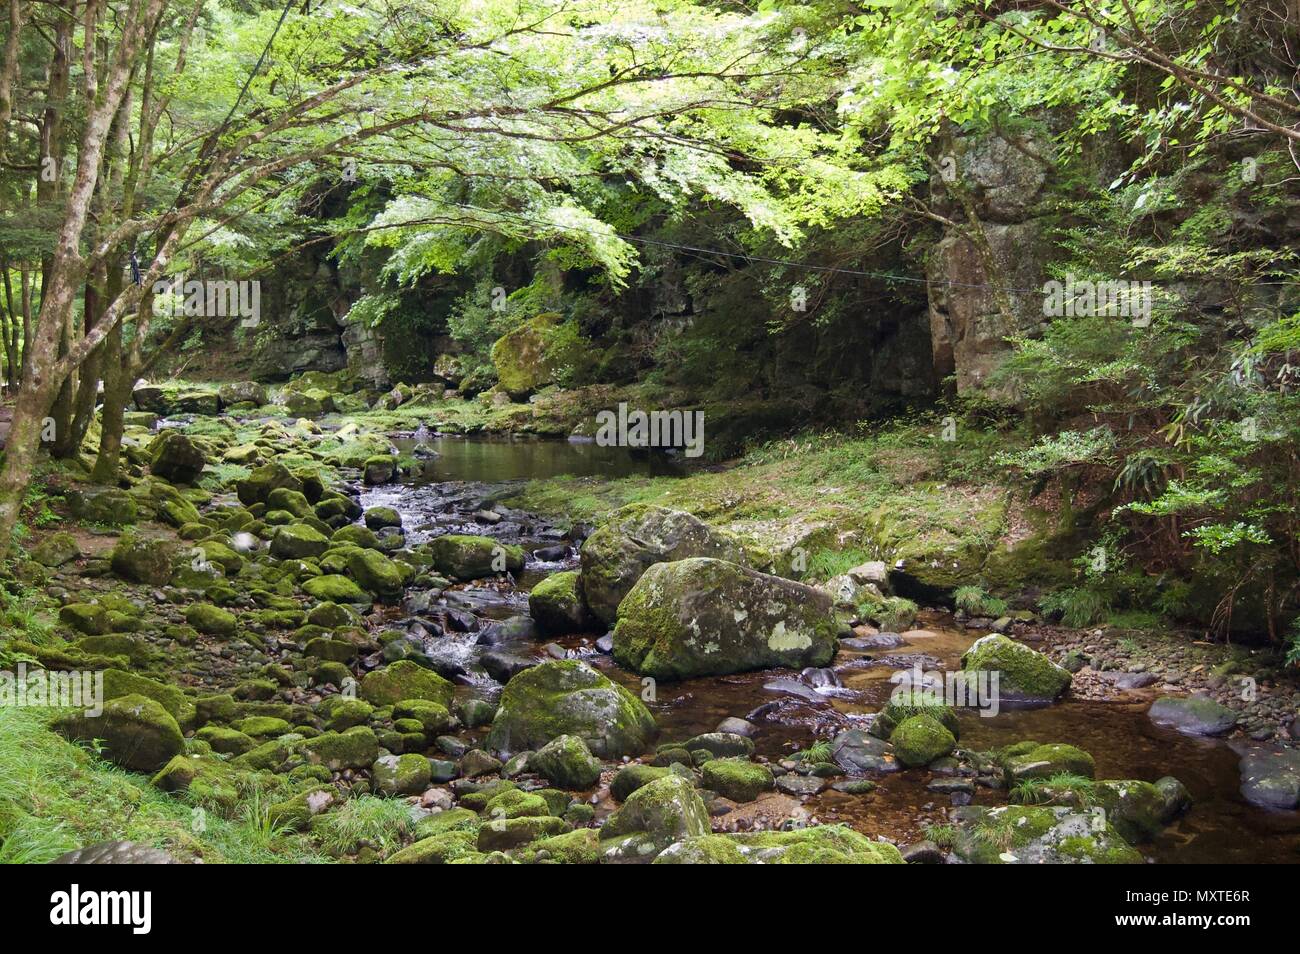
479, 633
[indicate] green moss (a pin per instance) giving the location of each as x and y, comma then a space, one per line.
404, 680
921, 739
1024, 674
737, 779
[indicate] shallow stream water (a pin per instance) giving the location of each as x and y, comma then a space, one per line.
466, 476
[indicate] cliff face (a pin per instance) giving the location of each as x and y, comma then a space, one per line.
987, 270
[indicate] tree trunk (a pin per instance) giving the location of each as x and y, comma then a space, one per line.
117, 392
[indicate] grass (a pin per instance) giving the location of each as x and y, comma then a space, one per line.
1044, 791
815, 754
943, 836
56, 796
976, 602
365, 821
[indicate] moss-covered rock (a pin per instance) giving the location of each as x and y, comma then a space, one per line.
136, 732
334, 588
905, 703
568, 697
257, 486
400, 774
1193, 715
654, 816
141, 560
817, 844
516, 803
579, 847
737, 779
635, 538
632, 777
119, 683
226, 741
1019, 834
1044, 761
297, 812
208, 781
377, 518
109, 506
56, 550
297, 541
354, 535
440, 849
502, 834
702, 616
1024, 675
88, 618
174, 457
212, 620
356, 748
404, 680
921, 739
468, 557
529, 356
376, 573
566, 762
557, 604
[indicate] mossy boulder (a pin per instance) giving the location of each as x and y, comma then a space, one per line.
379, 469
502, 834
1024, 675
635, 538
433, 717
297, 541
440, 849
1193, 715
528, 357
212, 620
377, 518
578, 847
632, 777
119, 683
208, 780
109, 506
376, 573
174, 457
468, 557
708, 617
354, 535
89, 619
566, 762
1033, 760
906, 702
817, 844
1018, 834
516, 803
568, 697
356, 748
737, 779
136, 732
655, 816
226, 741
404, 680
921, 739
141, 560
56, 550
257, 486
297, 812
291, 501
557, 604
401, 774
334, 588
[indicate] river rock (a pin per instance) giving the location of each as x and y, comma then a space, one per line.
468, 557
1192, 715
136, 732
566, 762
1270, 774
557, 604
920, 739
1019, 834
174, 457
634, 539
654, 816
115, 853
858, 753
704, 616
1024, 675
568, 697
816, 844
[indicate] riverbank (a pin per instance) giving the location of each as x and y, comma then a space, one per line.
319, 678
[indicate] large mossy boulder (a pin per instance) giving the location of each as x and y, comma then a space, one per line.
634, 539
1025, 676
174, 457
737, 779
655, 816
135, 732
257, 486
298, 541
108, 506
141, 560
568, 697
566, 762
356, 748
707, 617
404, 680
242, 392
528, 357
1032, 760
920, 739
335, 588
557, 604
56, 550
814, 845
468, 557
1019, 834
905, 702
376, 573
401, 774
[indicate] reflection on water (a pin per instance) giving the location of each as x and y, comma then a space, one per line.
494, 460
